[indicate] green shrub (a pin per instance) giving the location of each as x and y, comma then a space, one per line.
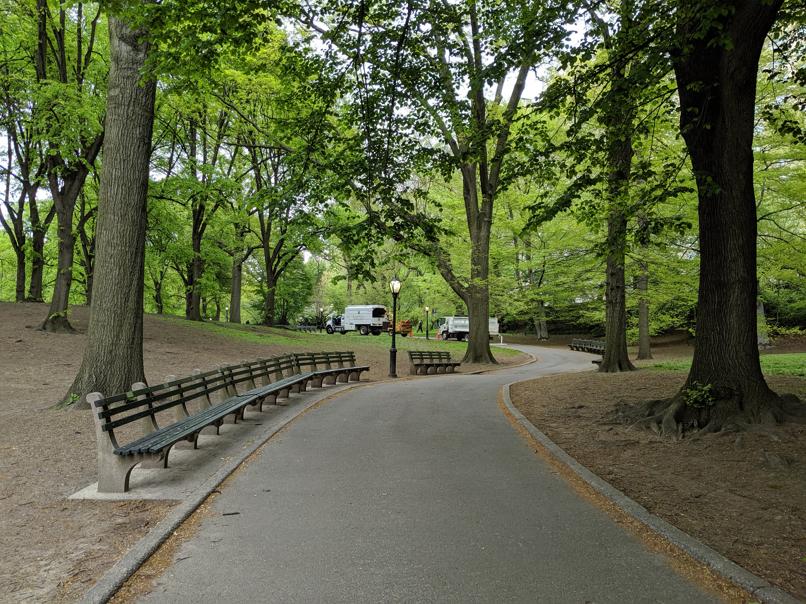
698, 395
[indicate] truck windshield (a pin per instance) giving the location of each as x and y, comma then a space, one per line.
378, 312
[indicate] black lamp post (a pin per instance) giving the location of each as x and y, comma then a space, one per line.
321, 318
394, 286
427, 317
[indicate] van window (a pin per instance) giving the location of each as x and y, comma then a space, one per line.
378, 312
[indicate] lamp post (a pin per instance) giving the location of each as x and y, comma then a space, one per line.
394, 286
321, 318
427, 317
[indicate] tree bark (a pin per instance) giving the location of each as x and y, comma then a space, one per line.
619, 117
86, 236
477, 298
39, 232
113, 357
270, 302
195, 272
616, 358
235, 291
57, 320
716, 76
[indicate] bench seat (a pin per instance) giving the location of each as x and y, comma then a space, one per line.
161, 439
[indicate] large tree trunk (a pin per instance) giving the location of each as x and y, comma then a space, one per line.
478, 290
716, 80
717, 89
113, 357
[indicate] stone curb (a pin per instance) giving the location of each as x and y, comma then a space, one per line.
119, 573
731, 571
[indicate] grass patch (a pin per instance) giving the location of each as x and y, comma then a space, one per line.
260, 334
771, 364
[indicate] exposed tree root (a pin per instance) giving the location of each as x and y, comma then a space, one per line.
57, 324
674, 418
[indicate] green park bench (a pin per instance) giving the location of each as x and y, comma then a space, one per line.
423, 362
592, 346
198, 402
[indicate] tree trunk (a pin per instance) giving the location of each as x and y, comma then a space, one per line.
57, 321
87, 241
478, 291
158, 302
113, 357
235, 291
717, 89
619, 117
642, 285
270, 303
616, 358
38, 233
716, 76
541, 326
195, 272
19, 293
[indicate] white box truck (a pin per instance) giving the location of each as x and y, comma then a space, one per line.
458, 327
365, 319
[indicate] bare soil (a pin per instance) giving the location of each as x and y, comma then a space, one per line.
53, 549
744, 494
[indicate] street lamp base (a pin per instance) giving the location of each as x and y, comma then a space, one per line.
393, 362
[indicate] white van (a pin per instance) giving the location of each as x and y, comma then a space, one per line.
458, 327
366, 319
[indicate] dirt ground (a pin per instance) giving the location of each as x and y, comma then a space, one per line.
742, 494
53, 549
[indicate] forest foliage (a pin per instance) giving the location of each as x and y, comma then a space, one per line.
304, 154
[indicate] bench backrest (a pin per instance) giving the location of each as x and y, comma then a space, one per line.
429, 356
120, 410
144, 404
316, 361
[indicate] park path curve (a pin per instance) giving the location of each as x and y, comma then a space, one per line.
418, 491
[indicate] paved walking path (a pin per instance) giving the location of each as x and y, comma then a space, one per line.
416, 491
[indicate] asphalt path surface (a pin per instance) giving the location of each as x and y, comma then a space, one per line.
414, 491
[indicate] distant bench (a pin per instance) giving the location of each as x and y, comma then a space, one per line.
422, 362
217, 394
593, 346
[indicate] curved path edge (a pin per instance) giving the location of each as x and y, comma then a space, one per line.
114, 578
729, 570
